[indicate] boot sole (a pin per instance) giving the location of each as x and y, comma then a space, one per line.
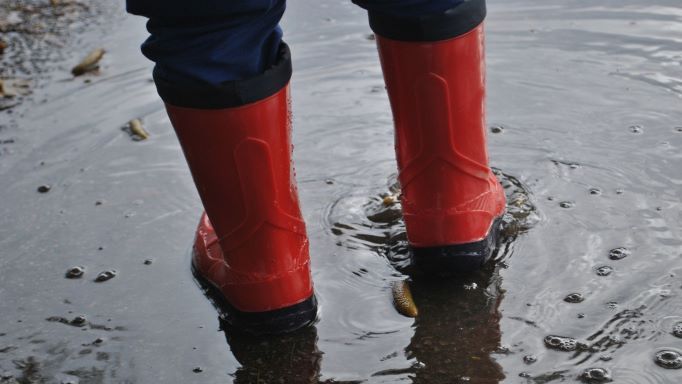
278, 321
456, 259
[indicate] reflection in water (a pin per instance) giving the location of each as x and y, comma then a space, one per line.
292, 358
456, 334
457, 331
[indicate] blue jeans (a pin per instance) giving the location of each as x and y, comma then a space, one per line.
214, 41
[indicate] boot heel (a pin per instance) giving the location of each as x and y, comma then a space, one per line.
278, 321
457, 258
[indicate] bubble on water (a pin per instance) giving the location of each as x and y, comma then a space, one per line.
581, 315
530, 359
604, 270
636, 129
596, 375
677, 330
567, 204
619, 253
497, 129
620, 191
595, 191
45, 188
106, 275
75, 272
669, 359
561, 343
574, 298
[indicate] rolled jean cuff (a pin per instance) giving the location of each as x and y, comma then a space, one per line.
228, 94
450, 23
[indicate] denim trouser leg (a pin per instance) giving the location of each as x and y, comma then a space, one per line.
214, 41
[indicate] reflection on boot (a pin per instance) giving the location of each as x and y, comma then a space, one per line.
290, 358
457, 330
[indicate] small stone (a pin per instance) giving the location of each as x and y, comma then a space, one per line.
567, 204
79, 321
595, 191
197, 370
389, 200
45, 188
105, 275
148, 262
636, 129
619, 253
677, 330
574, 298
530, 359
496, 129
561, 343
604, 270
75, 272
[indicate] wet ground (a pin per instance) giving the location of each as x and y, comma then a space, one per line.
585, 101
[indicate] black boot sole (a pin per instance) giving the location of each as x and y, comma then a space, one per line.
456, 259
278, 321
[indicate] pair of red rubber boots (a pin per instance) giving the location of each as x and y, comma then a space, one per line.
253, 252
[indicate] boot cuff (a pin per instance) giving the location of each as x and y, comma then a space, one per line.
229, 94
453, 22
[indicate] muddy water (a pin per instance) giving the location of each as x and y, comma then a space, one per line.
586, 134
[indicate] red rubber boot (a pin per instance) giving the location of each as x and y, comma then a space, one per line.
435, 75
253, 252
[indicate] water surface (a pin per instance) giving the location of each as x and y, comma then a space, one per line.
585, 97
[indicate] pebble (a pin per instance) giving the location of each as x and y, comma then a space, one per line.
677, 330
496, 129
604, 270
75, 272
79, 321
105, 275
561, 343
574, 298
197, 370
530, 359
45, 188
619, 253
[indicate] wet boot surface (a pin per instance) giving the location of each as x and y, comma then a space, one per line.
585, 136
